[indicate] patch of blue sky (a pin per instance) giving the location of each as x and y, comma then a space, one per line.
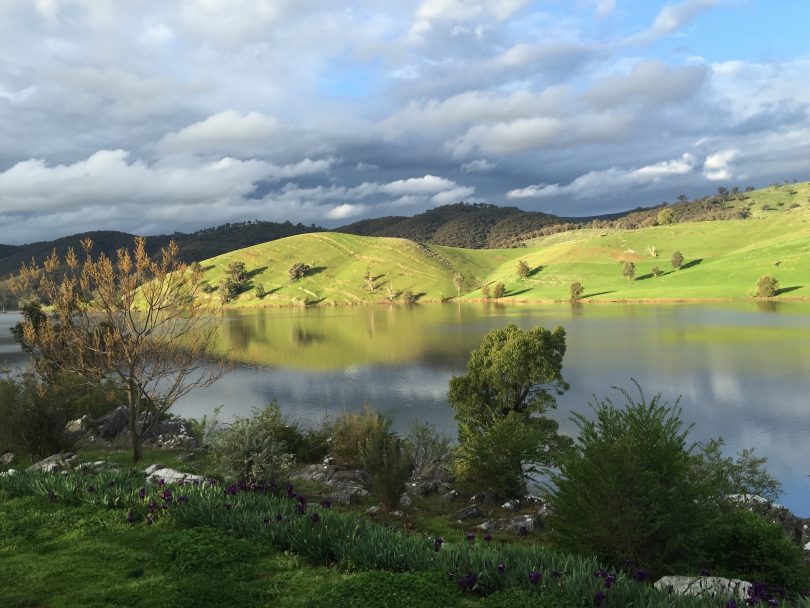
343, 79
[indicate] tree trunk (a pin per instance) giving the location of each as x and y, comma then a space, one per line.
134, 426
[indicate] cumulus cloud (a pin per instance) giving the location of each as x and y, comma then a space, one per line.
227, 132
718, 165
481, 165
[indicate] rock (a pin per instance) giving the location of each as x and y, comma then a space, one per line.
175, 442
321, 473
531, 499
511, 505
79, 426
96, 467
373, 510
487, 526
328, 460
148, 471
514, 524
483, 497
172, 476
351, 476
348, 495
470, 512
111, 424
7, 459
9, 473
429, 480
55, 463
704, 586
545, 511
450, 496
397, 514
405, 500
187, 457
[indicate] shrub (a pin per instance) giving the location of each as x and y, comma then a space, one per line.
576, 290
629, 270
260, 291
298, 271
767, 286
427, 445
254, 448
308, 445
389, 462
350, 431
656, 272
498, 291
523, 269
408, 296
485, 290
677, 260
665, 216
745, 475
627, 491
741, 544
204, 429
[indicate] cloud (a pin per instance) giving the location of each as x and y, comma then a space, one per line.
672, 18
609, 181
227, 132
481, 165
429, 184
717, 165
605, 7
432, 11
454, 195
346, 210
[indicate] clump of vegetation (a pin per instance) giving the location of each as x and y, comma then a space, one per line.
523, 269
236, 279
656, 271
260, 291
629, 270
458, 281
350, 431
499, 290
500, 405
427, 445
368, 279
388, 460
576, 291
767, 286
408, 296
485, 290
298, 271
665, 216
677, 260
652, 250
253, 449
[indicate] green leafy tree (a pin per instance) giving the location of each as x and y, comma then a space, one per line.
235, 279
629, 270
500, 405
665, 216
677, 260
260, 291
298, 271
523, 269
499, 290
767, 286
576, 291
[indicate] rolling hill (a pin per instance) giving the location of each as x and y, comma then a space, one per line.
722, 260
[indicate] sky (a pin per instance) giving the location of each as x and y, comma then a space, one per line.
155, 117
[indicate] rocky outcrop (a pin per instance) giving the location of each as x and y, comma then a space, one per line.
704, 586
472, 511
346, 487
171, 434
8, 459
156, 472
56, 463
797, 529
429, 480
112, 424
99, 466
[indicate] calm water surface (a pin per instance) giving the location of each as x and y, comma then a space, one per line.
740, 370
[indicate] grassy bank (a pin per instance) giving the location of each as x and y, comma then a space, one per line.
722, 260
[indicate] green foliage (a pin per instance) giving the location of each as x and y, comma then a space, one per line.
576, 291
298, 271
509, 385
260, 291
498, 291
204, 429
627, 490
677, 260
523, 269
656, 272
236, 279
665, 216
377, 589
389, 462
350, 431
767, 286
741, 544
629, 270
427, 445
254, 448
745, 475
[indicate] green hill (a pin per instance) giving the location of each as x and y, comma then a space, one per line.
722, 260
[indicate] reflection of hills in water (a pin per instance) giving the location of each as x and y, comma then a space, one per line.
670, 337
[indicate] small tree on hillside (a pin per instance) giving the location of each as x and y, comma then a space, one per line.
458, 281
677, 260
629, 270
260, 291
523, 269
368, 278
656, 271
498, 291
576, 291
767, 286
665, 216
485, 290
136, 321
235, 279
298, 271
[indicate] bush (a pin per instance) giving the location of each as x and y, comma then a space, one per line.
523, 269
427, 445
389, 462
408, 297
260, 291
627, 491
767, 286
677, 260
254, 448
298, 271
656, 272
741, 544
308, 445
629, 270
350, 431
498, 291
485, 290
576, 290
745, 475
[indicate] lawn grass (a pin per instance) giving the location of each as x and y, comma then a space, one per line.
722, 260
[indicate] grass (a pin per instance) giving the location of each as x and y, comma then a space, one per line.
722, 260
79, 550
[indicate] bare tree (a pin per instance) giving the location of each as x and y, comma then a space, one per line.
136, 320
458, 281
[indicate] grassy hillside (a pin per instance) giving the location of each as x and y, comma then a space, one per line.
722, 259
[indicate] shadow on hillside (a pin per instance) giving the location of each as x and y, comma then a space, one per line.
534, 271
691, 263
650, 275
207, 268
315, 270
510, 294
598, 293
252, 273
784, 290
269, 292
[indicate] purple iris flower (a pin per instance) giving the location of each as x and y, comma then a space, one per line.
437, 543
142, 493
599, 597
640, 575
609, 580
467, 583
500, 568
290, 490
52, 495
488, 538
149, 520
524, 531
315, 518
326, 504
130, 518
731, 604
534, 577
470, 537
556, 574
301, 508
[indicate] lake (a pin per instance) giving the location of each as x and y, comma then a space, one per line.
740, 369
